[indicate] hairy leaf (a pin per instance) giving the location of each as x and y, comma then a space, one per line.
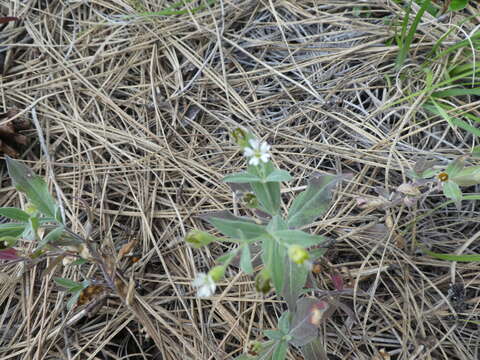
33, 186
10, 229
235, 227
297, 237
241, 178
313, 202
295, 279
14, 214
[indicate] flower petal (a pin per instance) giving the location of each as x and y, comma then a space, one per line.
199, 280
264, 147
248, 152
254, 144
265, 157
254, 161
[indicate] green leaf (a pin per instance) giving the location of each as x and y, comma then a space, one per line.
468, 176
278, 176
7, 242
228, 257
274, 334
453, 121
452, 191
456, 92
314, 350
280, 351
455, 167
297, 237
14, 214
79, 261
66, 283
313, 202
284, 322
240, 178
52, 237
268, 193
237, 227
31, 230
456, 5
295, 279
454, 257
246, 260
33, 186
12, 229
273, 257
73, 299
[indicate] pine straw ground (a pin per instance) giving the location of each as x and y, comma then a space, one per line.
136, 114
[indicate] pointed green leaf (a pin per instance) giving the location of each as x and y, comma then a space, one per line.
313, 202
452, 191
295, 279
456, 5
236, 227
273, 257
33, 186
268, 193
468, 176
240, 178
73, 300
274, 334
12, 229
278, 176
246, 260
454, 168
297, 237
52, 237
280, 351
284, 322
14, 214
454, 257
314, 350
66, 283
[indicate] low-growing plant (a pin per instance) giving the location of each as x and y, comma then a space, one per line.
39, 232
287, 252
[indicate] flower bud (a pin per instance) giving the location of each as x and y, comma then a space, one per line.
84, 252
197, 238
67, 260
297, 254
217, 273
240, 137
251, 200
30, 209
263, 282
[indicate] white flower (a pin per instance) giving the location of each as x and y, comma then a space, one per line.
204, 284
257, 152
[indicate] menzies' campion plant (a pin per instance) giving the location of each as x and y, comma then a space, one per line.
286, 251
38, 232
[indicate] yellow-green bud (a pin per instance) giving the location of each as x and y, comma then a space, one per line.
297, 254
30, 209
251, 200
217, 273
240, 137
263, 282
198, 238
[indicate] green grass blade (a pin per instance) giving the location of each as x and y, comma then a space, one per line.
405, 47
